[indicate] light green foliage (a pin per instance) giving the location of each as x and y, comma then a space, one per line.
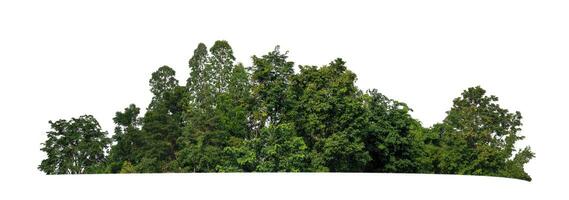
76, 146
127, 168
277, 149
267, 118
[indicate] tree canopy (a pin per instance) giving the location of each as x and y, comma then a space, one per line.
268, 118
75, 146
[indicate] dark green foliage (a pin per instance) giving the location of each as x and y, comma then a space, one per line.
329, 114
267, 118
478, 137
199, 90
128, 137
326, 102
162, 124
392, 136
76, 146
343, 153
162, 82
271, 77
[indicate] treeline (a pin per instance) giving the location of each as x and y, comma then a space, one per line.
267, 118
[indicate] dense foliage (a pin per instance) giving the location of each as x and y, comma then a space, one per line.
267, 118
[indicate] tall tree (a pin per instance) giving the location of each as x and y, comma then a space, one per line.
76, 146
222, 62
163, 81
199, 81
219, 114
163, 122
233, 109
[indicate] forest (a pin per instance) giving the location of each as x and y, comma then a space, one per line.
267, 117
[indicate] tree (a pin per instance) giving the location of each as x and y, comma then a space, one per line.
328, 113
478, 137
76, 146
127, 138
233, 109
163, 122
271, 76
392, 137
267, 118
198, 83
222, 63
218, 115
162, 81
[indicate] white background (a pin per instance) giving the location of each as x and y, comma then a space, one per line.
62, 59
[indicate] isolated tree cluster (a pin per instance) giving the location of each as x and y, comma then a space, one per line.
269, 118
